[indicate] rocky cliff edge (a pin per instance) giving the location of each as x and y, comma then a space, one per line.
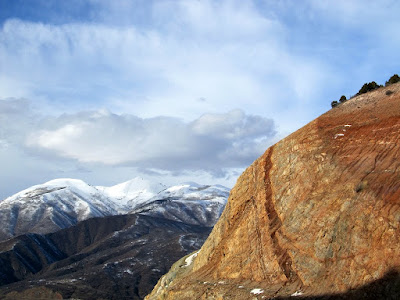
317, 214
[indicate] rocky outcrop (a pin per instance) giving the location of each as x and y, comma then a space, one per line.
36, 293
317, 214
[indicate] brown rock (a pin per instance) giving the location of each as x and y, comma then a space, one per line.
317, 214
36, 293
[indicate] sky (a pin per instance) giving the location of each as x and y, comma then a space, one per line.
175, 90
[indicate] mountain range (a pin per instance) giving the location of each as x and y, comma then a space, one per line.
62, 203
67, 239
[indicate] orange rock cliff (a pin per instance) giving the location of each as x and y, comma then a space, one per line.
318, 213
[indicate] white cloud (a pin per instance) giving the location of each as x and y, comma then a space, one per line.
233, 126
225, 52
210, 142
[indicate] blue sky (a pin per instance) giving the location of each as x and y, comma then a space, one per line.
175, 90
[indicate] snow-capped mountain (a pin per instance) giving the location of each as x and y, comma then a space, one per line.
61, 203
54, 205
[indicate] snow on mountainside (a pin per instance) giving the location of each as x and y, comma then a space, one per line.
54, 205
133, 192
61, 203
189, 203
194, 191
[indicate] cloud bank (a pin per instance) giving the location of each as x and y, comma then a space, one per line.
212, 142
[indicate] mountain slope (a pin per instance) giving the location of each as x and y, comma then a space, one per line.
111, 257
317, 214
189, 203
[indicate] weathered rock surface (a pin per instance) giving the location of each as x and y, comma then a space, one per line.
317, 214
36, 293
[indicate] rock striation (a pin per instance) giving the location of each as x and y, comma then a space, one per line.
317, 214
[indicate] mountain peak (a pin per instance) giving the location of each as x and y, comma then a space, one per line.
65, 182
133, 192
54, 184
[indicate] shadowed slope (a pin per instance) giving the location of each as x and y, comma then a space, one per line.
111, 258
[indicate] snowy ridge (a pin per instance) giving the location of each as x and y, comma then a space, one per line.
61, 203
133, 192
194, 191
188, 203
51, 206
77, 185
65, 194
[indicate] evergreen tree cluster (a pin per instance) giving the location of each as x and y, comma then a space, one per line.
367, 87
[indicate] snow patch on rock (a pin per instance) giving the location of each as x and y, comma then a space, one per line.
190, 258
296, 293
256, 291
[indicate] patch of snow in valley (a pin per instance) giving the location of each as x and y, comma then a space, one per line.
128, 271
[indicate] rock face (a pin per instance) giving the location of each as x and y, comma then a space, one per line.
317, 214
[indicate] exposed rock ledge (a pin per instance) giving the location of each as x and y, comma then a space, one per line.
317, 214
